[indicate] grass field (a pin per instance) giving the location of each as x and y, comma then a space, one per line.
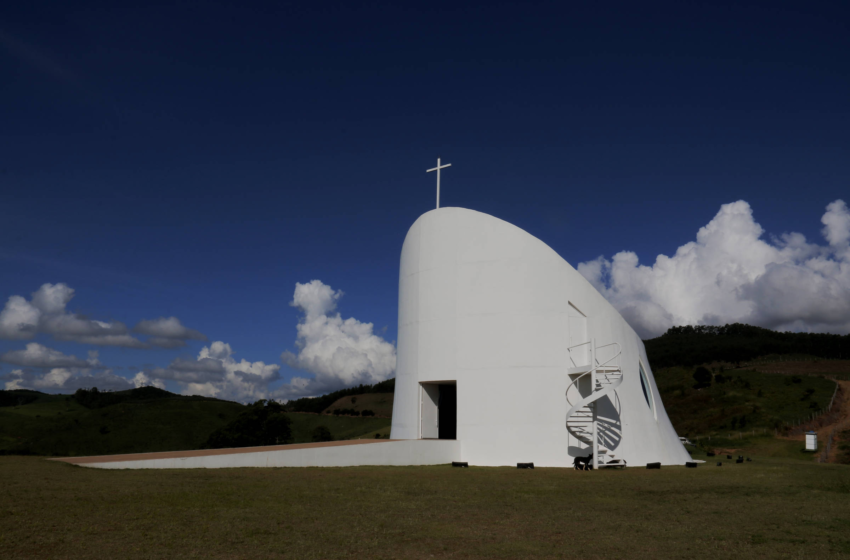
771, 508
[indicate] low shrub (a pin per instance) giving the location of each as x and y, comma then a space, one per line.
322, 433
262, 424
702, 377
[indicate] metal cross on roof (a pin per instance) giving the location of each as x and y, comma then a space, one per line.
437, 169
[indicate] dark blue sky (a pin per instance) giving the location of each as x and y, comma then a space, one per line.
197, 159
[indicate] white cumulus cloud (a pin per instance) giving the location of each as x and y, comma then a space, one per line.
19, 319
15, 380
46, 313
338, 352
65, 380
39, 356
215, 373
142, 380
167, 332
731, 273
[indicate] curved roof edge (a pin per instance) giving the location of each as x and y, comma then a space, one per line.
521, 231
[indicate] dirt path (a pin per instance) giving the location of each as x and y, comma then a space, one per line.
842, 401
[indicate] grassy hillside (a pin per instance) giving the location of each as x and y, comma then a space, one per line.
319, 404
58, 425
745, 400
341, 427
379, 403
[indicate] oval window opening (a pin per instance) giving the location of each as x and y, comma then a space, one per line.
644, 384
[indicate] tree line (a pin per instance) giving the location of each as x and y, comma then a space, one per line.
736, 343
92, 398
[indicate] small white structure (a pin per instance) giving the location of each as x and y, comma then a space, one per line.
505, 347
811, 441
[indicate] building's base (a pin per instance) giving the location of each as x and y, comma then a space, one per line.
328, 454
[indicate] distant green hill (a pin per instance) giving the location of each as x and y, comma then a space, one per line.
380, 404
136, 421
736, 343
150, 419
739, 400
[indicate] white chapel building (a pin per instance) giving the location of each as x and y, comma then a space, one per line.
507, 349
506, 355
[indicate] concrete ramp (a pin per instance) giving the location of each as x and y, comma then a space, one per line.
349, 453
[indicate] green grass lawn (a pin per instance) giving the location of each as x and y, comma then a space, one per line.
771, 508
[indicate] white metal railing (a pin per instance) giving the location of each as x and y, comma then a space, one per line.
570, 354
605, 377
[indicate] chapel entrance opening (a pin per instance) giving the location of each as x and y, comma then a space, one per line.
438, 415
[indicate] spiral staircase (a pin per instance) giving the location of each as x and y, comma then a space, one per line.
591, 382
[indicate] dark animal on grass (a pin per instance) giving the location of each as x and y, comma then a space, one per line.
583, 463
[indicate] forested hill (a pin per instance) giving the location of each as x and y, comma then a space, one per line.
688, 346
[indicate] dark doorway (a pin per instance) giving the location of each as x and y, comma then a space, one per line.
447, 410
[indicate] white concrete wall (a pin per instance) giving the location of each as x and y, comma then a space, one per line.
397, 453
486, 304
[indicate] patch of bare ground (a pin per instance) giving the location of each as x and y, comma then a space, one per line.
841, 423
803, 367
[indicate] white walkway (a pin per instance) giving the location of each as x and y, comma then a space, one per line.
328, 454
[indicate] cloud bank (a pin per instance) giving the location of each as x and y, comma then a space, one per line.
46, 313
167, 333
731, 274
338, 352
38, 356
46, 369
215, 373
68, 380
